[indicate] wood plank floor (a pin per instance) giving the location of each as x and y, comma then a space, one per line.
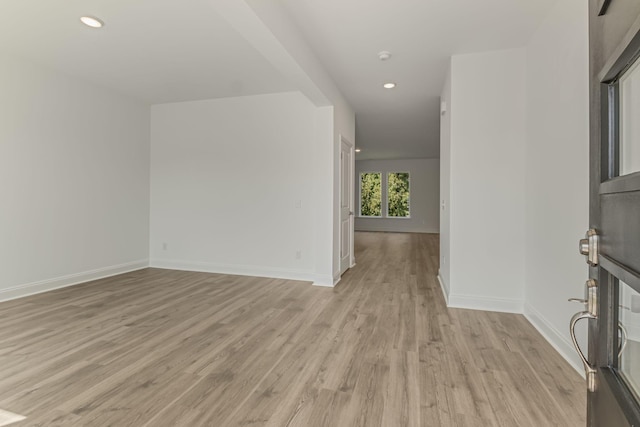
170, 348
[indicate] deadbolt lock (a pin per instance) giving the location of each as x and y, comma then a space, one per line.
589, 247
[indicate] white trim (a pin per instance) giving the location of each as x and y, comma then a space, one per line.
352, 224
326, 281
505, 305
7, 417
445, 289
234, 269
70, 280
323, 283
557, 340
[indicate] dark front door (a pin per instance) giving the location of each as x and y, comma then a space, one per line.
613, 245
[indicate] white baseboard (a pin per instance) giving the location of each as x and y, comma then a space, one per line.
241, 270
70, 280
7, 417
505, 305
557, 340
445, 289
326, 281
323, 285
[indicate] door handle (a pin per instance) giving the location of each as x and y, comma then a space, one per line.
591, 312
589, 369
623, 339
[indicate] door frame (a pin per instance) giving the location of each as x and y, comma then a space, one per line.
352, 260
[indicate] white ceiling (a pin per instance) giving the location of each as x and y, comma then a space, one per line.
154, 50
421, 34
170, 50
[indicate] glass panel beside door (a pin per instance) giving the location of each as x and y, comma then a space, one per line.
629, 104
629, 336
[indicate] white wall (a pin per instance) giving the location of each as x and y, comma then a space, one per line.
445, 184
487, 113
557, 174
325, 228
424, 179
519, 176
226, 175
268, 27
74, 179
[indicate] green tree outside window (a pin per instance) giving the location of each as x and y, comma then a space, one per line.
398, 194
371, 194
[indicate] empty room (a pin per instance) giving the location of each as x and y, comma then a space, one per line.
319, 213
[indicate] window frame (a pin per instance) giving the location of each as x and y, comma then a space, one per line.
360, 215
387, 195
384, 198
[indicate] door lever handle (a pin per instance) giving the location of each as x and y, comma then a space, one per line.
622, 343
591, 312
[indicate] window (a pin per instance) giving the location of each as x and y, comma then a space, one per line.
396, 187
371, 194
398, 194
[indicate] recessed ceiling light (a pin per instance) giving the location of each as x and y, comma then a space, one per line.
389, 85
358, 150
384, 55
91, 21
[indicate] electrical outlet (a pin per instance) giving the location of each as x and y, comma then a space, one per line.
298, 254
164, 246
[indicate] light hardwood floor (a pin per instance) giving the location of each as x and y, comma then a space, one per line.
170, 348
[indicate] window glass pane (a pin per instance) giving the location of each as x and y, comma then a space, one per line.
371, 194
398, 194
629, 317
629, 123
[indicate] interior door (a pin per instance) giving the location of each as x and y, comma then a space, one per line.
612, 245
346, 204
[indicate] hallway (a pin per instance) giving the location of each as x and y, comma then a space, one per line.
172, 348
